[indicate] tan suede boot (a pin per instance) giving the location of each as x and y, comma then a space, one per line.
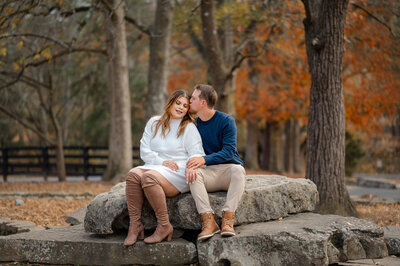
134, 200
208, 226
156, 197
227, 223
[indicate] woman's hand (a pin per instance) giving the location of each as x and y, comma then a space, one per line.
191, 175
171, 165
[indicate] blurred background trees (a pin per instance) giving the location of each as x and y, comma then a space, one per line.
55, 87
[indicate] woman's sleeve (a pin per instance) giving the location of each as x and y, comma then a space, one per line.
192, 141
146, 153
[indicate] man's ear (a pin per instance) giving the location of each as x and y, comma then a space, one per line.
203, 102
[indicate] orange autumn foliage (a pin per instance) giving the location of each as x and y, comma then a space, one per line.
280, 91
371, 76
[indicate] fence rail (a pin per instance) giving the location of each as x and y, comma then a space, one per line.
79, 160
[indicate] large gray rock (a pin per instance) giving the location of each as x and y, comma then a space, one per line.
266, 197
9, 227
302, 239
76, 217
392, 238
71, 245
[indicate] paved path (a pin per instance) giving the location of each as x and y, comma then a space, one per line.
376, 175
379, 192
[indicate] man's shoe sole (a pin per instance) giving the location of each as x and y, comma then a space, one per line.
208, 236
228, 234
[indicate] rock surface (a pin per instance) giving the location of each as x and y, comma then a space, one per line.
9, 227
302, 239
266, 197
72, 245
392, 238
76, 217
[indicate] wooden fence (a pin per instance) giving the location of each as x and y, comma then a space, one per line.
33, 161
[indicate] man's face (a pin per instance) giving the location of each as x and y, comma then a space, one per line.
195, 102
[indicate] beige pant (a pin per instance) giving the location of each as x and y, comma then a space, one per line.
225, 177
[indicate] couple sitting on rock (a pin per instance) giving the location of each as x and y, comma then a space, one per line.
182, 153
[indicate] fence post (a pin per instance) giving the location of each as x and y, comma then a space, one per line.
4, 152
46, 162
86, 162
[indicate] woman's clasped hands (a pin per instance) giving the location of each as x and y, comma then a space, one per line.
171, 165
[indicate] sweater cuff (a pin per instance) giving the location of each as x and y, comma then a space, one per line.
207, 158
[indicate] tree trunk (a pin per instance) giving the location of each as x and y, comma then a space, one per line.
292, 159
289, 146
251, 154
215, 60
265, 147
324, 32
251, 150
120, 142
276, 139
60, 160
297, 158
160, 35
61, 172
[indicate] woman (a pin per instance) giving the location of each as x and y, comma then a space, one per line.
168, 142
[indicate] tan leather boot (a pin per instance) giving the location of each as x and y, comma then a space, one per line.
208, 226
156, 197
227, 223
134, 200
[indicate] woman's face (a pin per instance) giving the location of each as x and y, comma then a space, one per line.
179, 108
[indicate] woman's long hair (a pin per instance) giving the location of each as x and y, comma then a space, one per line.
165, 118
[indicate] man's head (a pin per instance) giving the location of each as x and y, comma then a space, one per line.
203, 96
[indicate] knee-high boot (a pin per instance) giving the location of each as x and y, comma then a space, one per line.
134, 200
156, 197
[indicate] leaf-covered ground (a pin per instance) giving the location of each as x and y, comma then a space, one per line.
51, 211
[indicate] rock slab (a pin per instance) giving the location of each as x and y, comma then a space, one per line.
266, 197
302, 239
76, 217
392, 238
9, 227
72, 245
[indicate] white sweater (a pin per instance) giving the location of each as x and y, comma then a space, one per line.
155, 150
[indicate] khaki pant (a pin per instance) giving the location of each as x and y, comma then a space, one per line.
221, 177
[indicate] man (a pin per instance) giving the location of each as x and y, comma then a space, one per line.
224, 169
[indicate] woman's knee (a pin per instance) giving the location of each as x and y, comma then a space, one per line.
134, 175
149, 178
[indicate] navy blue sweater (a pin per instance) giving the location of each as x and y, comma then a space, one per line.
219, 139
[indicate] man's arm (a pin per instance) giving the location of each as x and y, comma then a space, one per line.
225, 154
228, 149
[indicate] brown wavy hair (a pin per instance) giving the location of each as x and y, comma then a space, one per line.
164, 121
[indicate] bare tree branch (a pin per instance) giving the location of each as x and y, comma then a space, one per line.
44, 61
139, 26
13, 35
30, 81
107, 5
374, 17
241, 57
26, 125
66, 52
75, 10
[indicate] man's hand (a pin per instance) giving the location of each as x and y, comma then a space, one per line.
195, 162
191, 175
171, 165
